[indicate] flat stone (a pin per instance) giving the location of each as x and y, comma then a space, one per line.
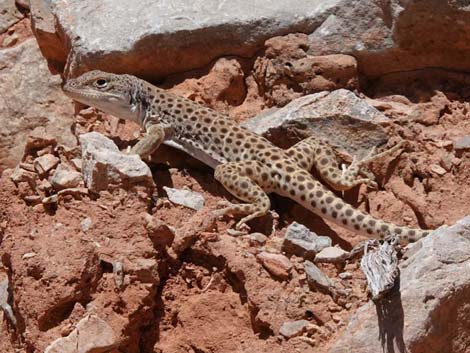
346, 121
294, 328
432, 298
462, 144
187, 198
316, 278
438, 169
331, 254
104, 165
301, 241
92, 334
276, 264
64, 178
45, 163
202, 30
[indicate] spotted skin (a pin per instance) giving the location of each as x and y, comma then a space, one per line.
246, 164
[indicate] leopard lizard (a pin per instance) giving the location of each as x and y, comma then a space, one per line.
246, 164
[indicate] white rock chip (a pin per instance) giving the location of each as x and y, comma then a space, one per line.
187, 198
64, 177
104, 165
331, 254
85, 224
301, 241
294, 328
91, 335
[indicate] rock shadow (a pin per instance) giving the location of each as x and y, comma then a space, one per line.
391, 321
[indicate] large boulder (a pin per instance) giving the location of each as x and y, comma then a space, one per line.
395, 35
30, 101
155, 38
430, 311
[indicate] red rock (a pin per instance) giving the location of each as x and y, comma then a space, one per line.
276, 264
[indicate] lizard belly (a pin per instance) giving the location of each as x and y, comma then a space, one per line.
209, 158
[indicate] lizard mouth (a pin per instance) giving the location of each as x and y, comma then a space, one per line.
88, 96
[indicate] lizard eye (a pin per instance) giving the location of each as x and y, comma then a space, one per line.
101, 83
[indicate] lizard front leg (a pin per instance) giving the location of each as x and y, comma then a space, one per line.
240, 179
155, 135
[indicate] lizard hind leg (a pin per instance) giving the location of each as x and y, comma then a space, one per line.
314, 152
239, 178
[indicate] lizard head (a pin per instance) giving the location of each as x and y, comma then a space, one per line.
112, 93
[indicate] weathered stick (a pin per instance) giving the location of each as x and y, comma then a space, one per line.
380, 266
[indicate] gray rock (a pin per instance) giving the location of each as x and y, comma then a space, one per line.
331, 254
187, 198
462, 144
92, 334
398, 35
317, 279
64, 178
30, 101
340, 117
104, 165
114, 36
429, 312
301, 241
9, 14
294, 328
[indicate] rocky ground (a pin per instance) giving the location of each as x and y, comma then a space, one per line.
101, 252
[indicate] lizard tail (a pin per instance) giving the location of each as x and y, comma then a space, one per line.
311, 194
